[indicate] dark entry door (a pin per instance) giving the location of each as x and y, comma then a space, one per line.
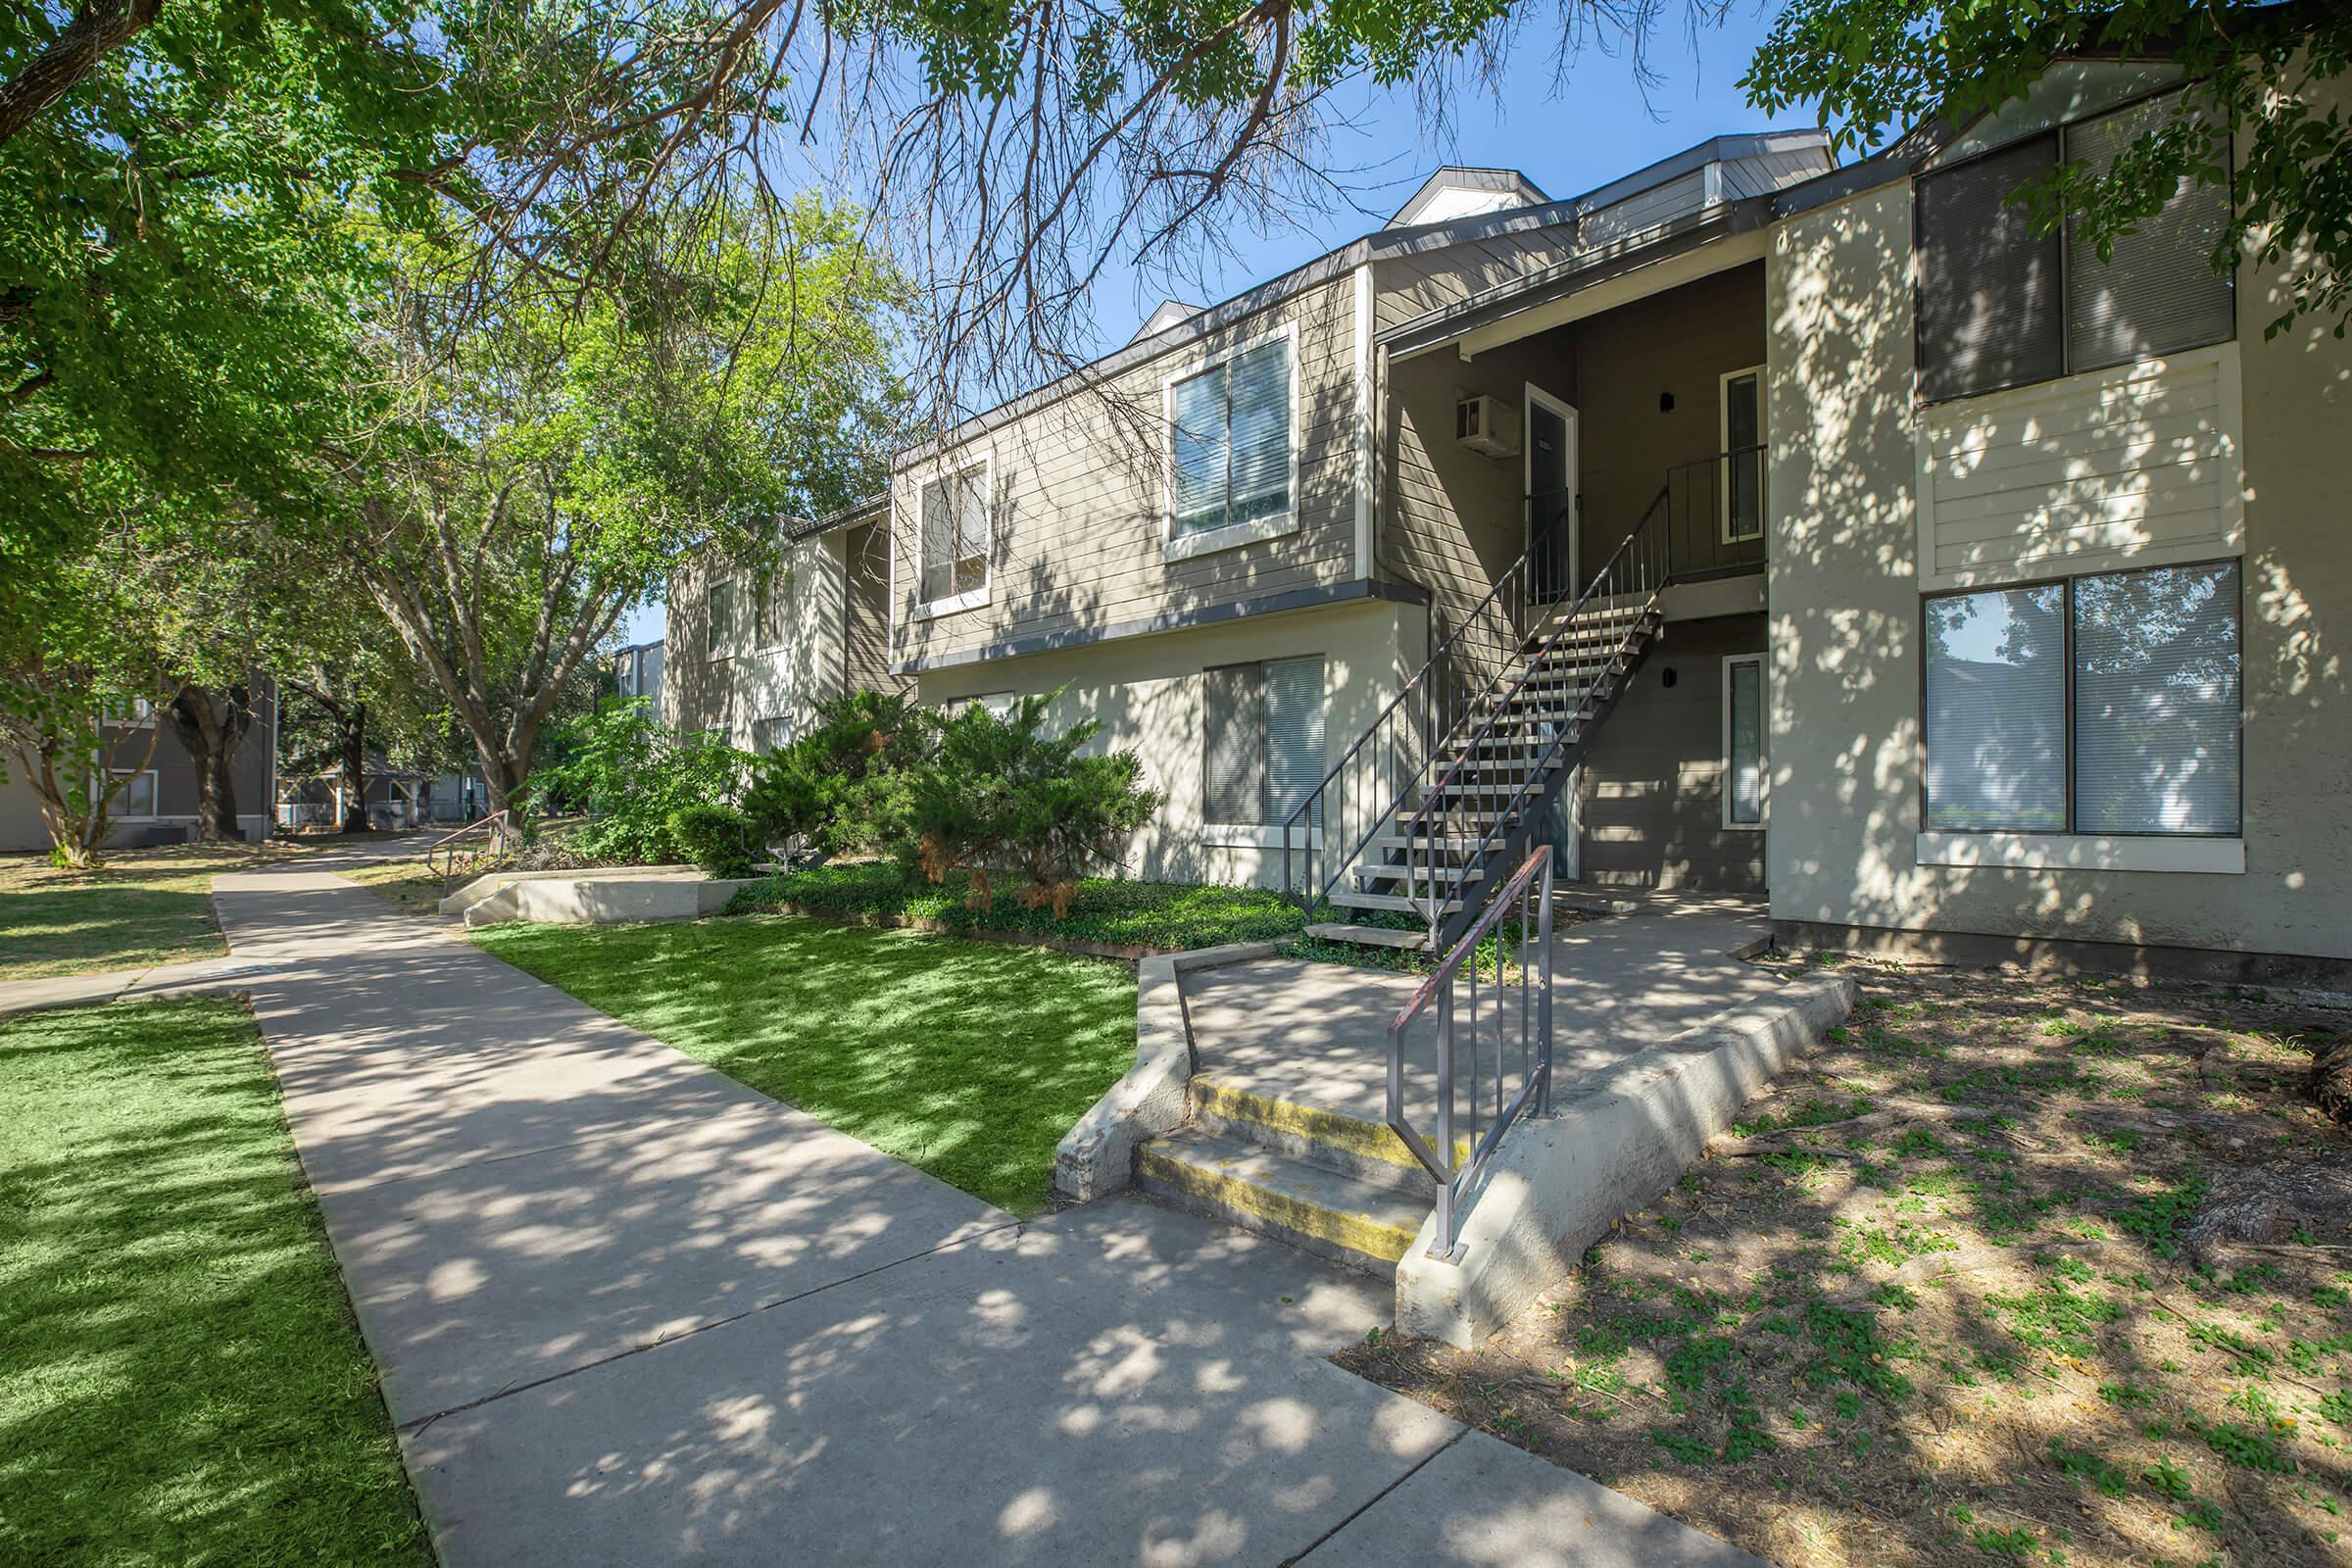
1552, 496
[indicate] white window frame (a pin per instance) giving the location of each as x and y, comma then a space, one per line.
155, 794
1763, 736
1235, 534
1723, 438
970, 598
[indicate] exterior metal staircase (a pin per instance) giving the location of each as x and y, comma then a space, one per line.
1451, 784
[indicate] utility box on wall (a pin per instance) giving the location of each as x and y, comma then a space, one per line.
1487, 425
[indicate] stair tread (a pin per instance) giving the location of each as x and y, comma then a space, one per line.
1384, 901
1370, 936
1217, 1159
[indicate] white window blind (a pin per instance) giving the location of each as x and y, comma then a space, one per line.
722, 616
954, 526
2158, 292
2156, 701
1262, 733
1230, 441
1743, 726
1996, 711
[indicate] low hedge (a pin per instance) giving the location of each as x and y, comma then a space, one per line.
1166, 917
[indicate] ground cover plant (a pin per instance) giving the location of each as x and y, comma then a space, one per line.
2011, 1271
180, 1377
140, 907
967, 1059
1166, 917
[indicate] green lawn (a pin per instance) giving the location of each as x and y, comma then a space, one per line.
141, 908
968, 1059
180, 1377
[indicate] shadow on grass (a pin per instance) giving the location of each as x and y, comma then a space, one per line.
966, 1060
181, 1376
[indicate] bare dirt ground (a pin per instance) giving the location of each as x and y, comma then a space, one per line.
2011, 1270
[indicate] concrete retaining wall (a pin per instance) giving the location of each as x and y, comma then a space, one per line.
1096, 1156
1619, 1139
605, 898
489, 882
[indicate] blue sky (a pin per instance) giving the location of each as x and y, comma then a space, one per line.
1596, 127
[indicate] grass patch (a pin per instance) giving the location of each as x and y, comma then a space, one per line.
966, 1060
180, 1377
141, 908
405, 881
1166, 916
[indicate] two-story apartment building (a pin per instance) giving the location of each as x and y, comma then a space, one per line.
1749, 524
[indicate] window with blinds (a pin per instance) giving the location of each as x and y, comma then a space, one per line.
721, 620
1742, 420
1744, 742
2000, 306
955, 535
2104, 705
1229, 439
1263, 735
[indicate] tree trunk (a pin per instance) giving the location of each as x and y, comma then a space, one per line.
210, 734
97, 30
350, 730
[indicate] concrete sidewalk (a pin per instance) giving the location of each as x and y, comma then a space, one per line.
629, 1311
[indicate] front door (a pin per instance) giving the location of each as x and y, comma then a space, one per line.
1550, 495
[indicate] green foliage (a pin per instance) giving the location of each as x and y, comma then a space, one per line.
1163, 917
634, 778
2157, 1218
1853, 1351
847, 786
1872, 66
1002, 795
715, 837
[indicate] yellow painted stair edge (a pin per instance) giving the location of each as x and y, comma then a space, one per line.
1340, 1227
1369, 1140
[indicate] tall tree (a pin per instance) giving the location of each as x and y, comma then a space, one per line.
2257, 74
559, 456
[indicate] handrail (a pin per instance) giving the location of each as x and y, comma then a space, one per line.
496, 825
1452, 1166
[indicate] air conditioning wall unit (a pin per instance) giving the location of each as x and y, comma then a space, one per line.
1487, 425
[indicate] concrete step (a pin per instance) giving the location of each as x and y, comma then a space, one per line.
1324, 1211
1371, 936
1365, 1150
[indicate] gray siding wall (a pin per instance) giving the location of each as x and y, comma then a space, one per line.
1650, 791
866, 636
1077, 523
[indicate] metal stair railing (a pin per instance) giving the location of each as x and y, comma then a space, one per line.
1456, 1161
1366, 787
495, 830
1622, 596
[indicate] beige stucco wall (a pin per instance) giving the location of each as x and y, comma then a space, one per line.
1147, 692
1844, 612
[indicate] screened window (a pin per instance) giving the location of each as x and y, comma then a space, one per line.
771, 734
722, 616
1263, 730
1744, 456
955, 509
137, 795
767, 611
2104, 705
2000, 306
1744, 742
1229, 437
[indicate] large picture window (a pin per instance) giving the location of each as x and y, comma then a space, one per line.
1263, 734
1229, 441
955, 529
2102, 704
2000, 306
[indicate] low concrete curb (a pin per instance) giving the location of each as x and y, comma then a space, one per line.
1617, 1141
1097, 1157
224, 976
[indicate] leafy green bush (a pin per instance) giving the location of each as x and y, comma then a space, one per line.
633, 776
1165, 916
715, 837
846, 786
1003, 796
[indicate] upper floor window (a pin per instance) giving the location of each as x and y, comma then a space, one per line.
1743, 437
1229, 441
2000, 306
721, 620
2101, 704
955, 538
